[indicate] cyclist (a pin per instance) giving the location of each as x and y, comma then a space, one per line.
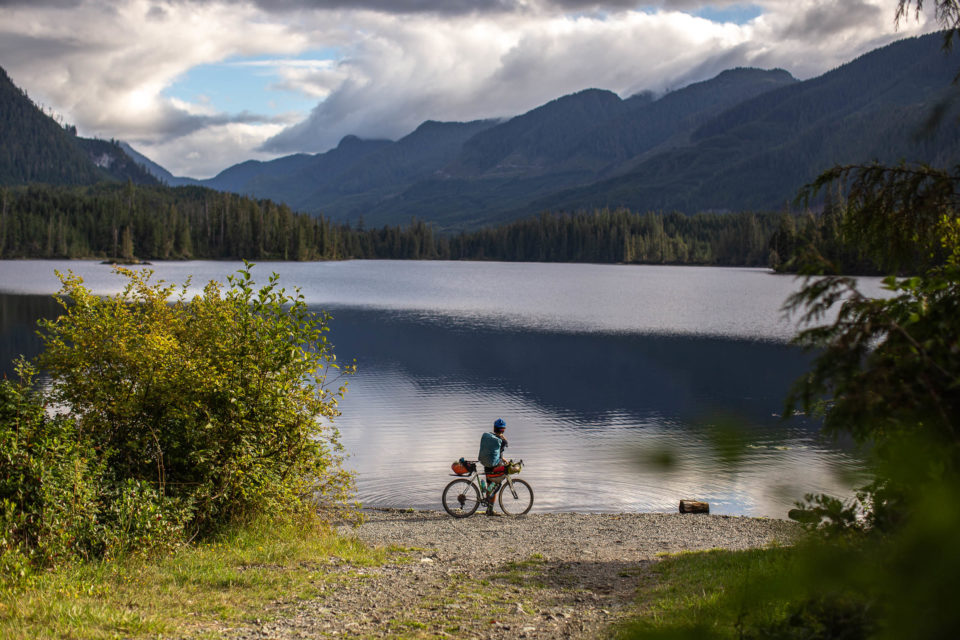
491, 447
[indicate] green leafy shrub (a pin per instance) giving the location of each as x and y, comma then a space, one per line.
49, 481
217, 407
136, 517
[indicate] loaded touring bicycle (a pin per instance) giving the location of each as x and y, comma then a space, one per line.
464, 495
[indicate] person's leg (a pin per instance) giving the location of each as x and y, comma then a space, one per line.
490, 492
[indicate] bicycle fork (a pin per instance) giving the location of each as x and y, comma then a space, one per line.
513, 491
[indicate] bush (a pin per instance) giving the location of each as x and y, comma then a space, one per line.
49, 482
217, 408
137, 517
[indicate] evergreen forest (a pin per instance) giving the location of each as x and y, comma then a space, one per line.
150, 222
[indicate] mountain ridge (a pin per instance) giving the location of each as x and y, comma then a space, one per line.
746, 139
35, 148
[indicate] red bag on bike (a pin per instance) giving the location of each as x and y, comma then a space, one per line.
462, 468
497, 472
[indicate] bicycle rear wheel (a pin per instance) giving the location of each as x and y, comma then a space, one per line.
518, 501
461, 498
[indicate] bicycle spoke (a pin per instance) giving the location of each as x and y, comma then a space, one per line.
516, 498
461, 498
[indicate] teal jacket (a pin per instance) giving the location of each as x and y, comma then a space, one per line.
490, 447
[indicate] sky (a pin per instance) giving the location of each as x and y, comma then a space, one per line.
200, 85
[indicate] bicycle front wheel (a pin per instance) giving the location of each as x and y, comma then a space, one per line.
461, 498
518, 500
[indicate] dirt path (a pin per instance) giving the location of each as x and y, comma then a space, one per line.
550, 575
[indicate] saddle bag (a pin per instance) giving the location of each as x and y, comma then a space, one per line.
463, 467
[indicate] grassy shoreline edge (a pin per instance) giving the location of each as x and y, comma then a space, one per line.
259, 571
197, 590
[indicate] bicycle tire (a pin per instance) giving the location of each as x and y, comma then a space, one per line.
519, 505
461, 498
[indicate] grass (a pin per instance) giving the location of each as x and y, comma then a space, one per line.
195, 591
523, 572
713, 594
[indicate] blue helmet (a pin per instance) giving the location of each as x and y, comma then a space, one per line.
499, 424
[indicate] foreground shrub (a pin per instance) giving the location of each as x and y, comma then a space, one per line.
49, 482
206, 410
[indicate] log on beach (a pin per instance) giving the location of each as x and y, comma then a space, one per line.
694, 506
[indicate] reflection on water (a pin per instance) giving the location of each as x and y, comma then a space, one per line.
598, 370
18, 326
585, 412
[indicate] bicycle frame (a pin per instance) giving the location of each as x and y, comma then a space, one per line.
474, 479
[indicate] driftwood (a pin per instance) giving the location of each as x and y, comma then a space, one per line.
693, 506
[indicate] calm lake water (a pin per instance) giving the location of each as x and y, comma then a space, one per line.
597, 369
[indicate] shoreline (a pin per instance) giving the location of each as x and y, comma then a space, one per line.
542, 575
614, 535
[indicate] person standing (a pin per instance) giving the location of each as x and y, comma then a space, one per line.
492, 445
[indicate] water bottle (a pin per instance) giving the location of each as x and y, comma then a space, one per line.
483, 486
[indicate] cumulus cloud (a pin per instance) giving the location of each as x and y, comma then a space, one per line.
489, 67
107, 66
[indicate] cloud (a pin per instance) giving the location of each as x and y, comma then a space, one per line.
105, 68
481, 67
60, 4
823, 19
108, 66
205, 152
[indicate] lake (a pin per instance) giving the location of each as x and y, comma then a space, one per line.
602, 373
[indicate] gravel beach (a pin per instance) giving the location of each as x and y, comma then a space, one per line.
543, 575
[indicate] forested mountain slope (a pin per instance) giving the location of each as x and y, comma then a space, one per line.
747, 139
758, 154
34, 148
463, 174
573, 140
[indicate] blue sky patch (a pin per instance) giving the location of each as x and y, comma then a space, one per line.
245, 84
738, 13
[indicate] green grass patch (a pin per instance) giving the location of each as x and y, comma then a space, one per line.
527, 573
714, 594
191, 592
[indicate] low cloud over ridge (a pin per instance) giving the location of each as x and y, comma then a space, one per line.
109, 66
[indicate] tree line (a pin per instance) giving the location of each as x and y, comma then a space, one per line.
128, 221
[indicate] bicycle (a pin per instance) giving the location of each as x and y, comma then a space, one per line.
462, 497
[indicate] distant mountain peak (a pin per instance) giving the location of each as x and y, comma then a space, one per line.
348, 140
754, 72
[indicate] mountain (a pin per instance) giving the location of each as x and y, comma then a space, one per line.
745, 139
292, 178
759, 153
574, 140
155, 169
36, 149
535, 141
113, 162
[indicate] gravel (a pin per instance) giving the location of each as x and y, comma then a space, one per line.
543, 575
